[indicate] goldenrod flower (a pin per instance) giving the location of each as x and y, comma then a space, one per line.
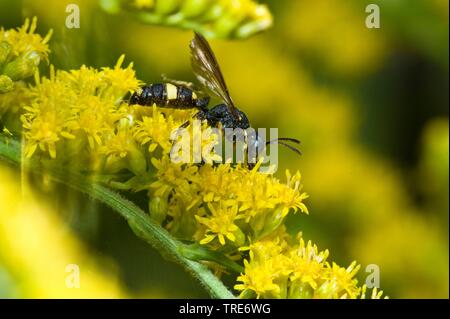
171, 177
298, 271
82, 103
221, 223
24, 39
340, 282
121, 150
154, 130
259, 279
307, 265
21, 51
267, 270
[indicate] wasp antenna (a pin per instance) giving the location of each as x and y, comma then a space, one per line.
296, 150
292, 148
288, 139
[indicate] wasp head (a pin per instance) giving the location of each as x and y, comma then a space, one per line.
135, 98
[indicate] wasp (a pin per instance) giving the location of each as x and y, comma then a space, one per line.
181, 95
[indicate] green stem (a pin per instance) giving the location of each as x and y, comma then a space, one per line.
199, 252
138, 220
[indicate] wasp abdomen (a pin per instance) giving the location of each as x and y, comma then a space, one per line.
168, 95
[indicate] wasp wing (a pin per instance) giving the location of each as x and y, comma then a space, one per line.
207, 71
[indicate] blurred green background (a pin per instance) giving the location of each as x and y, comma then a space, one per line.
369, 105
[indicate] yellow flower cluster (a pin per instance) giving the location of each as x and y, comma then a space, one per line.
277, 268
224, 205
37, 246
83, 105
214, 18
21, 51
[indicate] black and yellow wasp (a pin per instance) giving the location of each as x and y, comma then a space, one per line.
177, 94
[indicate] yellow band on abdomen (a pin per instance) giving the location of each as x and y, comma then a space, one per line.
171, 91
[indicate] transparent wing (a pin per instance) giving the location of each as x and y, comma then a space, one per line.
207, 71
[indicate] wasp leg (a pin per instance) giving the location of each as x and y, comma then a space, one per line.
202, 103
184, 125
200, 115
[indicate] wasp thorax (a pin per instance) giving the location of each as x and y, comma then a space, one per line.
222, 114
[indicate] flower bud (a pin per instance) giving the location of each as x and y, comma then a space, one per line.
136, 161
6, 84
282, 282
261, 20
158, 208
253, 27
114, 164
326, 291
5, 50
193, 8
267, 223
22, 67
257, 224
300, 290
225, 26
239, 238
214, 12
167, 6
273, 221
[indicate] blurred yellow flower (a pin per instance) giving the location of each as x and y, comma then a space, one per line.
37, 248
21, 51
334, 34
214, 18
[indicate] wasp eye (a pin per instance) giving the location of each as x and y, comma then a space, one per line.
134, 98
243, 120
